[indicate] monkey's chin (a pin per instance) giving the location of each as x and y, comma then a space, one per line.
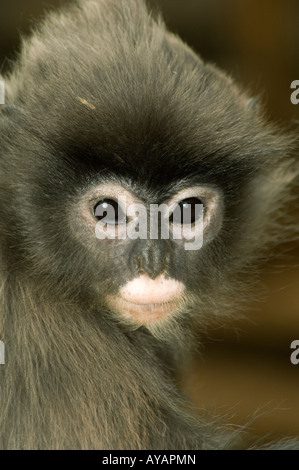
143, 314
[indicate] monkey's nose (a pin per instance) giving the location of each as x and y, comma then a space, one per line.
150, 258
144, 290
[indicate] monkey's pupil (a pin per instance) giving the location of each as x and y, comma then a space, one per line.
110, 212
187, 211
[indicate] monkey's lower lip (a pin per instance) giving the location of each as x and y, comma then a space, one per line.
143, 313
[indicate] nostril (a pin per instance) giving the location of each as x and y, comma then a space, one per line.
166, 262
150, 258
138, 264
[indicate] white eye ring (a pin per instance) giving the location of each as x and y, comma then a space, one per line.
212, 211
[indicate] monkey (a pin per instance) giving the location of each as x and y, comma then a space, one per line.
108, 118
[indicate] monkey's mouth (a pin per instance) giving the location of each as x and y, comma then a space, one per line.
144, 300
143, 313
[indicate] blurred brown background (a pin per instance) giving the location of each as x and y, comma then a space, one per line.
245, 369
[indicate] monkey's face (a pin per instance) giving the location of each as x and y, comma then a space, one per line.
146, 243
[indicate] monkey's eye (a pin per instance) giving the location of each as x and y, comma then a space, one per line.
109, 212
187, 211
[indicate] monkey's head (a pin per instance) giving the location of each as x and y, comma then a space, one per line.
108, 118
